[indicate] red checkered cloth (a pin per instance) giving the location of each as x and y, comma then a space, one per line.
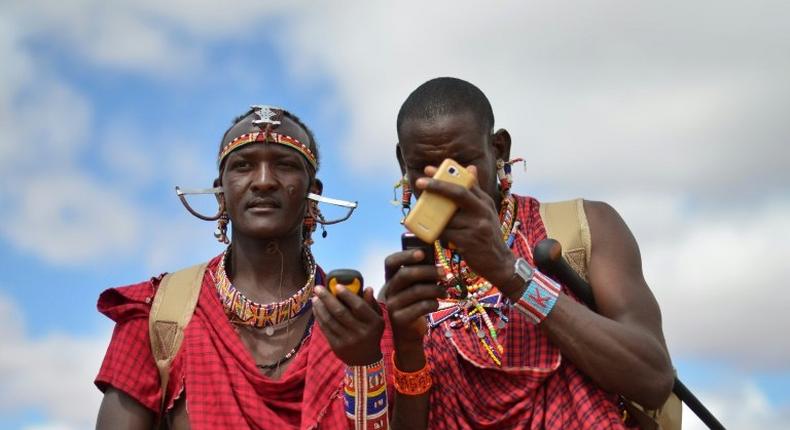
533, 389
217, 373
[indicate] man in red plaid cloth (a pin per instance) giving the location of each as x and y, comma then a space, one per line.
252, 357
506, 346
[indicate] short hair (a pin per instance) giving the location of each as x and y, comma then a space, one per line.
312, 144
442, 96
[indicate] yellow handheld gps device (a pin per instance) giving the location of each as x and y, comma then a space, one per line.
349, 278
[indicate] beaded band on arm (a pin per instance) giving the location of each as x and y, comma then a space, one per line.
365, 397
539, 297
412, 383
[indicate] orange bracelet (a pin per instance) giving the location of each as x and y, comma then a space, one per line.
411, 383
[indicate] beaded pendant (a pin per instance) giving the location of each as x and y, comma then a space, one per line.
472, 297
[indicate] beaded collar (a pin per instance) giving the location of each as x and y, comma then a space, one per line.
271, 316
471, 295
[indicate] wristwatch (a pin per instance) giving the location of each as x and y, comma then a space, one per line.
524, 271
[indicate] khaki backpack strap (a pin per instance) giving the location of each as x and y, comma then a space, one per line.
566, 222
174, 304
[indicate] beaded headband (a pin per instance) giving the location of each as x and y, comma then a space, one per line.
257, 127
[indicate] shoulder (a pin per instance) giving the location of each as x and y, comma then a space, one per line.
599, 210
123, 303
134, 300
606, 224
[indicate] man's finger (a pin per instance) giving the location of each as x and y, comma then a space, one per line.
416, 310
335, 308
410, 275
361, 309
460, 195
414, 294
331, 328
370, 299
395, 261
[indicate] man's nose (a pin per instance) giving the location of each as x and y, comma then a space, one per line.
264, 177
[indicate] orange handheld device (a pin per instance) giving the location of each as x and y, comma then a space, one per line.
351, 279
432, 212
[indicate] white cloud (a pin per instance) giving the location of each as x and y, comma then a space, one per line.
611, 95
159, 39
67, 219
53, 373
372, 266
718, 278
738, 404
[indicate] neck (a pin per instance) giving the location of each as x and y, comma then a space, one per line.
267, 270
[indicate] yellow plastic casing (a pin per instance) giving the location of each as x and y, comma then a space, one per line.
354, 286
432, 212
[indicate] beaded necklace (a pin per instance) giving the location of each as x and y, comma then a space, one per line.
308, 330
471, 294
271, 316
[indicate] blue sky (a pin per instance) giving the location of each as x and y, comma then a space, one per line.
675, 114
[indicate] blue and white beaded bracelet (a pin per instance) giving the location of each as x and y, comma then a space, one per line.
539, 297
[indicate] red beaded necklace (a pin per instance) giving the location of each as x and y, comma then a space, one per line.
471, 294
270, 316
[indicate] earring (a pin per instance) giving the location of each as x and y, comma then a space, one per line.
504, 174
221, 233
309, 224
405, 200
322, 221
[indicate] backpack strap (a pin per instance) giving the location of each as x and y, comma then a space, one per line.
173, 306
566, 222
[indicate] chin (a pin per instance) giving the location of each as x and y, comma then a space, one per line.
268, 231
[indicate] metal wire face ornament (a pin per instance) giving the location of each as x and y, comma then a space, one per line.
272, 316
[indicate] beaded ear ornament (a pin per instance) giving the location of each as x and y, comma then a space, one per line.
405, 198
505, 173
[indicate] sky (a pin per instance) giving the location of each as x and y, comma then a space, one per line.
675, 113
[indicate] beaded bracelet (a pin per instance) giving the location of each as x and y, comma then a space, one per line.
412, 383
365, 397
539, 297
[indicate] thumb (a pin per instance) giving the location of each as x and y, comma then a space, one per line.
472, 170
370, 299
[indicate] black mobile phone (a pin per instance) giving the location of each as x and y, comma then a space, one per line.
410, 241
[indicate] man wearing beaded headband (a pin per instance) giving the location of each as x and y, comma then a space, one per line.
506, 346
251, 356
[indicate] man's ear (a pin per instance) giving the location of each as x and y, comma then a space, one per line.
221, 196
399, 155
317, 187
501, 142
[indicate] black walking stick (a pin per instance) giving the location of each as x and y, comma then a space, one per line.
548, 258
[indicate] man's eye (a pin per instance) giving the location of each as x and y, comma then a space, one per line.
289, 164
239, 164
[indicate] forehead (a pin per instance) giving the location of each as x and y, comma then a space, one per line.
456, 135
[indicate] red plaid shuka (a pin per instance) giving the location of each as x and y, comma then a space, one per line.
534, 389
217, 373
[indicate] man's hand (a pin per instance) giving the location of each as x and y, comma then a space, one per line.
475, 230
352, 325
411, 293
